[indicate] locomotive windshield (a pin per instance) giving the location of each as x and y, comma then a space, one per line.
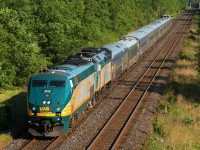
57, 84
39, 83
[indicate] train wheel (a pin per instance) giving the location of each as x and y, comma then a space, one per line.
83, 112
70, 122
88, 106
93, 101
76, 117
101, 91
110, 84
96, 96
106, 87
91, 104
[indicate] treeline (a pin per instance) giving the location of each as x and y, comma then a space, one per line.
198, 52
37, 34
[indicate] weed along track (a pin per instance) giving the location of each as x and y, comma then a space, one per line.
116, 127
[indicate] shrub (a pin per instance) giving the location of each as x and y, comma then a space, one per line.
192, 37
171, 98
198, 56
173, 85
188, 120
187, 56
164, 106
178, 112
196, 146
158, 128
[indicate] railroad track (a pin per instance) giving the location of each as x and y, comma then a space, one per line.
39, 143
28, 145
116, 127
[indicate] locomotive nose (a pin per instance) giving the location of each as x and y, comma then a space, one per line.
46, 99
48, 95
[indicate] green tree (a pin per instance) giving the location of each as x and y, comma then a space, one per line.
19, 50
37, 33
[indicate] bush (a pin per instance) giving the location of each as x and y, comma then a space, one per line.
173, 85
158, 128
171, 98
196, 146
187, 56
192, 37
188, 120
198, 56
164, 106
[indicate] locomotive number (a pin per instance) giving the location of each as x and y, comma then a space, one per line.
44, 108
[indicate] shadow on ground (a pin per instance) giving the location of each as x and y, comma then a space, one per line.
191, 91
13, 115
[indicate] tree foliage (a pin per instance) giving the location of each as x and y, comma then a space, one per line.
198, 50
36, 34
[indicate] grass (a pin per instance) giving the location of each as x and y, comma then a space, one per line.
178, 121
13, 115
181, 124
4, 95
185, 72
5, 139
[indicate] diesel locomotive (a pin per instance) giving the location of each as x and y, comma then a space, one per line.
56, 97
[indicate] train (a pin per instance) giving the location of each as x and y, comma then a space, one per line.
57, 96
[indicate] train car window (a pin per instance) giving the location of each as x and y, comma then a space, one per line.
79, 78
94, 60
57, 83
143, 44
105, 59
39, 83
75, 80
98, 57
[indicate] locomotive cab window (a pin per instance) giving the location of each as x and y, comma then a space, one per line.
39, 83
105, 59
57, 84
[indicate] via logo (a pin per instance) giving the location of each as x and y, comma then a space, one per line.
47, 93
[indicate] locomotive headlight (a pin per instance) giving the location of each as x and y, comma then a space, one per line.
47, 95
58, 109
44, 102
34, 108
48, 102
58, 119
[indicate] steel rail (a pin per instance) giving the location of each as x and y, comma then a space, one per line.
36, 144
127, 123
28, 145
121, 104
